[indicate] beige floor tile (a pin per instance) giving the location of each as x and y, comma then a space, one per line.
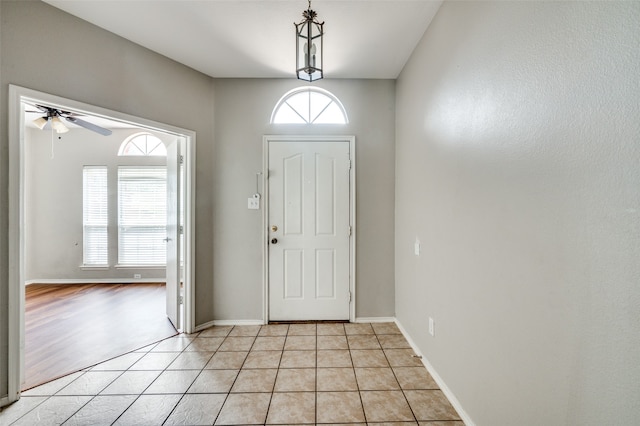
120, 363
148, 410
173, 344
53, 386
369, 358
386, 406
101, 410
402, 358
414, 378
358, 329
339, 407
172, 381
245, 330
227, 360
155, 361
53, 411
330, 329
90, 383
376, 379
236, 344
334, 358
298, 359
393, 341
332, 342
261, 380
214, 381
385, 328
361, 341
441, 423
131, 383
274, 330
430, 405
269, 343
205, 344
300, 343
190, 361
13, 412
263, 359
292, 408
302, 330
296, 380
196, 410
244, 408
336, 379
216, 331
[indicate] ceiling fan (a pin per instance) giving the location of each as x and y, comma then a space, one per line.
55, 116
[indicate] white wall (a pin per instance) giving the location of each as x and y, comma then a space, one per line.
53, 202
243, 112
517, 166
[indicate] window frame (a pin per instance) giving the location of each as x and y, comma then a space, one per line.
309, 120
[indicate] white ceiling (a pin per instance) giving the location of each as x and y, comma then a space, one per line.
256, 38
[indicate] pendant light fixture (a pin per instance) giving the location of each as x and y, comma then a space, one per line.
309, 34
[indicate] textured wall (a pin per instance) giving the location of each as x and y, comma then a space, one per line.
517, 167
243, 112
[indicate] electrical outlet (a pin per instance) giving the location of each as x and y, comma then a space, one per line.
416, 247
432, 327
137, 276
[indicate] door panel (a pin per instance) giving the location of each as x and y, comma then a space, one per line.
309, 250
173, 234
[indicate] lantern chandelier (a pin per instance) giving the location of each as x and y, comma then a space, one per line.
309, 33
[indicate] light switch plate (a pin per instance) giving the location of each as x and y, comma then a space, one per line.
253, 203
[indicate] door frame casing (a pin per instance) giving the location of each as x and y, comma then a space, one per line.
266, 140
16, 245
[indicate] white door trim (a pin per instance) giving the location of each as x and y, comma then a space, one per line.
265, 213
16, 212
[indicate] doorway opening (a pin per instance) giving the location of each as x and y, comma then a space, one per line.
180, 202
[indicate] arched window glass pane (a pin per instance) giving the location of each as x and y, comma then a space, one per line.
143, 144
300, 104
309, 105
318, 102
330, 115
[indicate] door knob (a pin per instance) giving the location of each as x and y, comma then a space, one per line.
274, 241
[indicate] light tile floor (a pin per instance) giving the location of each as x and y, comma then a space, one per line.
273, 374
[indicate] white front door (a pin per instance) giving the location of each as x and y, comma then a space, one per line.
173, 234
309, 230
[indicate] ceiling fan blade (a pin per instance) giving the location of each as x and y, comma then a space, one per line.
90, 126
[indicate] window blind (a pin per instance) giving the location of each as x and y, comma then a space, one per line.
95, 216
142, 215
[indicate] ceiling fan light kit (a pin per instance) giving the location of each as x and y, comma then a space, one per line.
309, 55
40, 122
54, 116
58, 126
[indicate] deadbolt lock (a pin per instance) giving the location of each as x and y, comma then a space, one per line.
274, 228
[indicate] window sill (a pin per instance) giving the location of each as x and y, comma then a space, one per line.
140, 266
95, 267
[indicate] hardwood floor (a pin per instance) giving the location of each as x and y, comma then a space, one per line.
74, 326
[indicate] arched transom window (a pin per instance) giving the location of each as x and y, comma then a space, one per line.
309, 105
143, 144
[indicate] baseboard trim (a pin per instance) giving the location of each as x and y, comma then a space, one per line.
97, 281
441, 384
228, 322
375, 319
